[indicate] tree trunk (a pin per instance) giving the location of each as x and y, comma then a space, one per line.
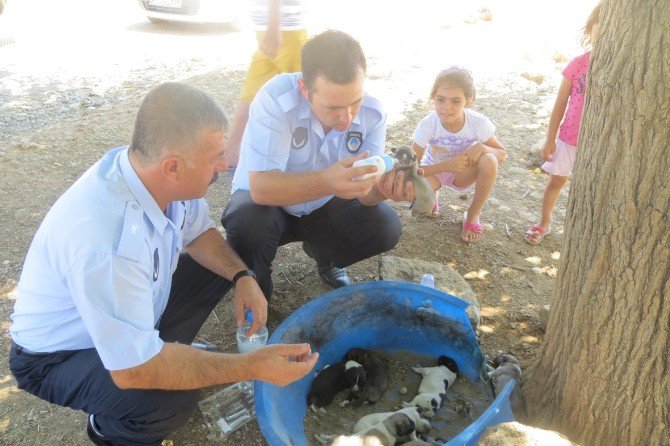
603, 375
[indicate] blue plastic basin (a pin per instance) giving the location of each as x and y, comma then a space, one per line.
383, 315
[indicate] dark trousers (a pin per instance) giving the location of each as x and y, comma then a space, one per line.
340, 233
77, 378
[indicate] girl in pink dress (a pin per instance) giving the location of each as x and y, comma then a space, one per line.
559, 154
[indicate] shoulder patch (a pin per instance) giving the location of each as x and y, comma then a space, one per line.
132, 238
289, 100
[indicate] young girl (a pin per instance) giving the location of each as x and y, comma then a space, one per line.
560, 154
457, 145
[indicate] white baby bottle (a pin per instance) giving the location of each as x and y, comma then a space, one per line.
383, 163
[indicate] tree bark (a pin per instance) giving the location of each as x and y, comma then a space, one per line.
603, 375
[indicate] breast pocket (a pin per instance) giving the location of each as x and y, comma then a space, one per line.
299, 154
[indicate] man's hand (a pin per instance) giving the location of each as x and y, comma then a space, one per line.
341, 178
281, 364
392, 188
548, 149
248, 295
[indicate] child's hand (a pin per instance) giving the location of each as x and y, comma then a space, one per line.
474, 152
456, 164
548, 149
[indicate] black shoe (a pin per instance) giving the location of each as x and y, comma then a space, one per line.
308, 250
333, 276
94, 435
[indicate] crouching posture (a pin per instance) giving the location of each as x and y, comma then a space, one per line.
108, 304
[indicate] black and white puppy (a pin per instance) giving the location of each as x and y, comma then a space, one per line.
385, 433
434, 385
333, 379
376, 367
507, 367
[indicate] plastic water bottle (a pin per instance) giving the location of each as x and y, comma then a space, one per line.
428, 280
248, 344
383, 163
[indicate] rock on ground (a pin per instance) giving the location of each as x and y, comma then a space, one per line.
517, 434
447, 279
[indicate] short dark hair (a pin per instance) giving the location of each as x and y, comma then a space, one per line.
174, 114
334, 55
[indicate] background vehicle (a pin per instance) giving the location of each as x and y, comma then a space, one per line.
230, 12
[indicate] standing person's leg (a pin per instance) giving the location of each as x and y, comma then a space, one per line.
552, 190
262, 69
255, 232
343, 232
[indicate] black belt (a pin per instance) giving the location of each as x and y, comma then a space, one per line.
25, 351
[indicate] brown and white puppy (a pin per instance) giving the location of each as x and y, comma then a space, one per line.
421, 426
333, 379
386, 433
434, 385
507, 367
424, 195
376, 382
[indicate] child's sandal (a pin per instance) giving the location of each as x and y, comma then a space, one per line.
535, 234
436, 210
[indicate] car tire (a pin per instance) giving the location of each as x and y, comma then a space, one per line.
154, 20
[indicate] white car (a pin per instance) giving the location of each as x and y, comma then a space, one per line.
230, 12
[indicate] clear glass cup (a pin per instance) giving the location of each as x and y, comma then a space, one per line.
248, 344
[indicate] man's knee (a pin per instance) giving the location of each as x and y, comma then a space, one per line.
251, 226
387, 227
157, 415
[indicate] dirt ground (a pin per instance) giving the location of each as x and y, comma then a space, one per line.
54, 126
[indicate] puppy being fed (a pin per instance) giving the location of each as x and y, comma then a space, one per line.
424, 195
332, 380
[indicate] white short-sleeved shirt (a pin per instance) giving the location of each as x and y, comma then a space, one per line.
283, 134
99, 270
441, 144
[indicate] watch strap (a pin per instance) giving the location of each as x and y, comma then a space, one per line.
243, 273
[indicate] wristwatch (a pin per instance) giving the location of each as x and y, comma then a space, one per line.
243, 273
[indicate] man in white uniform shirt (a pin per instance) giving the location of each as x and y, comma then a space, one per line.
123, 272
295, 180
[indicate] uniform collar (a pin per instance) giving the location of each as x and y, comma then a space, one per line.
142, 195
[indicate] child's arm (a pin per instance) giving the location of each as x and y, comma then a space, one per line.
418, 150
492, 145
455, 164
549, 146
